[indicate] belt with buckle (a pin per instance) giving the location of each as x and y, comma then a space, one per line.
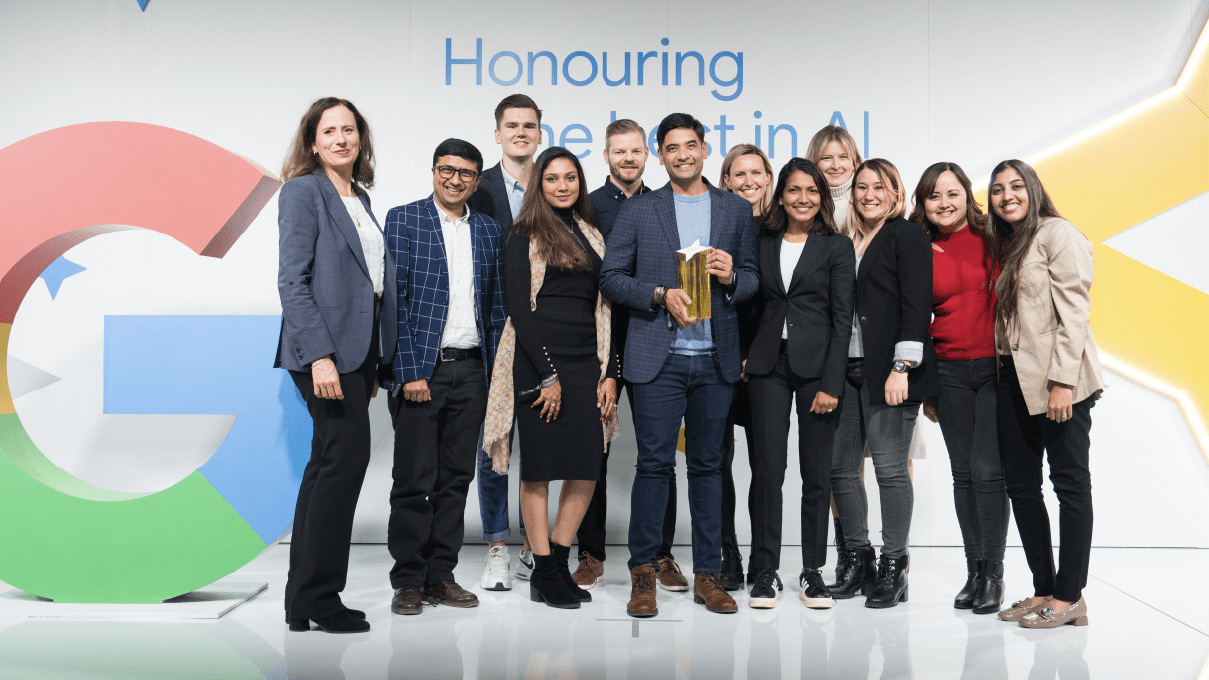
456, 354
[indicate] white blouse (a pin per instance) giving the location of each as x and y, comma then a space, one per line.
373, 246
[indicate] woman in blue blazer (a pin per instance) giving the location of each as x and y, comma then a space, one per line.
337, 328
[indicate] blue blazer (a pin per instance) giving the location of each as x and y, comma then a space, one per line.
640, 255
327, 298
417, 245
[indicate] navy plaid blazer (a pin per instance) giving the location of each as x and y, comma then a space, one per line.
414, 238
640, 255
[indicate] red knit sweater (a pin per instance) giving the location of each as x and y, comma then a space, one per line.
963, 300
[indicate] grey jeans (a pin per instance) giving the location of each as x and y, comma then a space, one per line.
887, 430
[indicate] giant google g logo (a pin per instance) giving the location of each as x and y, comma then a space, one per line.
63, 538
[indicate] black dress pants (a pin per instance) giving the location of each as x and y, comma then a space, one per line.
435, 449
327, 497
591, 533
771, 396
1024, 443
730, 499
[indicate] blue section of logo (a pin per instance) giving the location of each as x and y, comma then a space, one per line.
58, 270
219, 365
143, 4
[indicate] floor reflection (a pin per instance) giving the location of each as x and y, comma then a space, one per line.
100, 650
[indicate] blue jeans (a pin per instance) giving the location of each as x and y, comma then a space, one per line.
493, 497
689, 387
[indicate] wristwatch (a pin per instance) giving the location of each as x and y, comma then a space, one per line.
900, 366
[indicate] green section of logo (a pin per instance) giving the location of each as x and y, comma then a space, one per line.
68, 544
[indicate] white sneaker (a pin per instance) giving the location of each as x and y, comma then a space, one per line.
524, 566
495, 571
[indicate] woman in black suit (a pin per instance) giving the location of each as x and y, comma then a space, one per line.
800, 349
891, 368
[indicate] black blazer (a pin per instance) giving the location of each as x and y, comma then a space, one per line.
894, 304
817, 307
491, 198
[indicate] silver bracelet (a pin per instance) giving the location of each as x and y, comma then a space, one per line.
550, 382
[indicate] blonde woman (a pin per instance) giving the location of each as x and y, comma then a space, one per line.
747, 172
835, 152
891, 368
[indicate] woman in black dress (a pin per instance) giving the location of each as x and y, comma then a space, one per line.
563, 369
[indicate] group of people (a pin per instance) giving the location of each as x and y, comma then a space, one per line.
515, 297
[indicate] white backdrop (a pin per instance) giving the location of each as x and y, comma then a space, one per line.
922, 81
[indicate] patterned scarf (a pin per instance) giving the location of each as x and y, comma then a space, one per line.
501, 398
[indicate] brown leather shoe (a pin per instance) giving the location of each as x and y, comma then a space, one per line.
589, 572
407, 601
1076, 615
642, 592
1019, 610
670, 577
708, 590
451, 594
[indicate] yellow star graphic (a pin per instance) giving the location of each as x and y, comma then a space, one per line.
1149, 326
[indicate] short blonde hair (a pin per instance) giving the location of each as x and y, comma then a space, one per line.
892, 182
749, 150
827, 135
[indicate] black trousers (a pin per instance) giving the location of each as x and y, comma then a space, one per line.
331, 484
435, 444
966, 409
730, 500
1024, 443
591, 533
771, 397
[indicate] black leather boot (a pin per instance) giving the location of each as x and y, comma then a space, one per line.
732, 563
561, 555
989, 597
546, 585
891, 586
858, 576
842, 555
965, 598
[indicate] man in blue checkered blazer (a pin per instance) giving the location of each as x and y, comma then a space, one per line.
680, 367
452, 309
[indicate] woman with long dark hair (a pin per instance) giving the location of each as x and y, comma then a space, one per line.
746, 171
337, 328
556, 360
963, 330
1049, 379
891, 368
800, 350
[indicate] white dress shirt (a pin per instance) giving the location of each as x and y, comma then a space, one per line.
461, 331
373, 246
790, 254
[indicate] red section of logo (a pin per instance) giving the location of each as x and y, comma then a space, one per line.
69, 184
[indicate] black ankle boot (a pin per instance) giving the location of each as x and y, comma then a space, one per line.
858, 576
965, 598
732, 563
561, 554
546, 585
891, 586
989, 597
842, 555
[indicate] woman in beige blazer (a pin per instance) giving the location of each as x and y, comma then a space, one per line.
1049, 379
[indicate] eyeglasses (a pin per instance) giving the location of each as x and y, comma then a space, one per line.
447, 172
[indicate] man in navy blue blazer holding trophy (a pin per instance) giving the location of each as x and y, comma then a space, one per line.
680, 366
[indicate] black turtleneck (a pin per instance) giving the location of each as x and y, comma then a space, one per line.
567, 215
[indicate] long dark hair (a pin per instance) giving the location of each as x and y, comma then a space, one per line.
300, 160
537, 219
776, 219
1017, 240
975, 218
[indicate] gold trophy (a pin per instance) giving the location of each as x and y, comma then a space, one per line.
692, 279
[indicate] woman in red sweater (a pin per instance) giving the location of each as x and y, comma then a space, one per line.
963, 329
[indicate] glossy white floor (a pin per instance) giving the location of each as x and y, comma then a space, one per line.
1134, 633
